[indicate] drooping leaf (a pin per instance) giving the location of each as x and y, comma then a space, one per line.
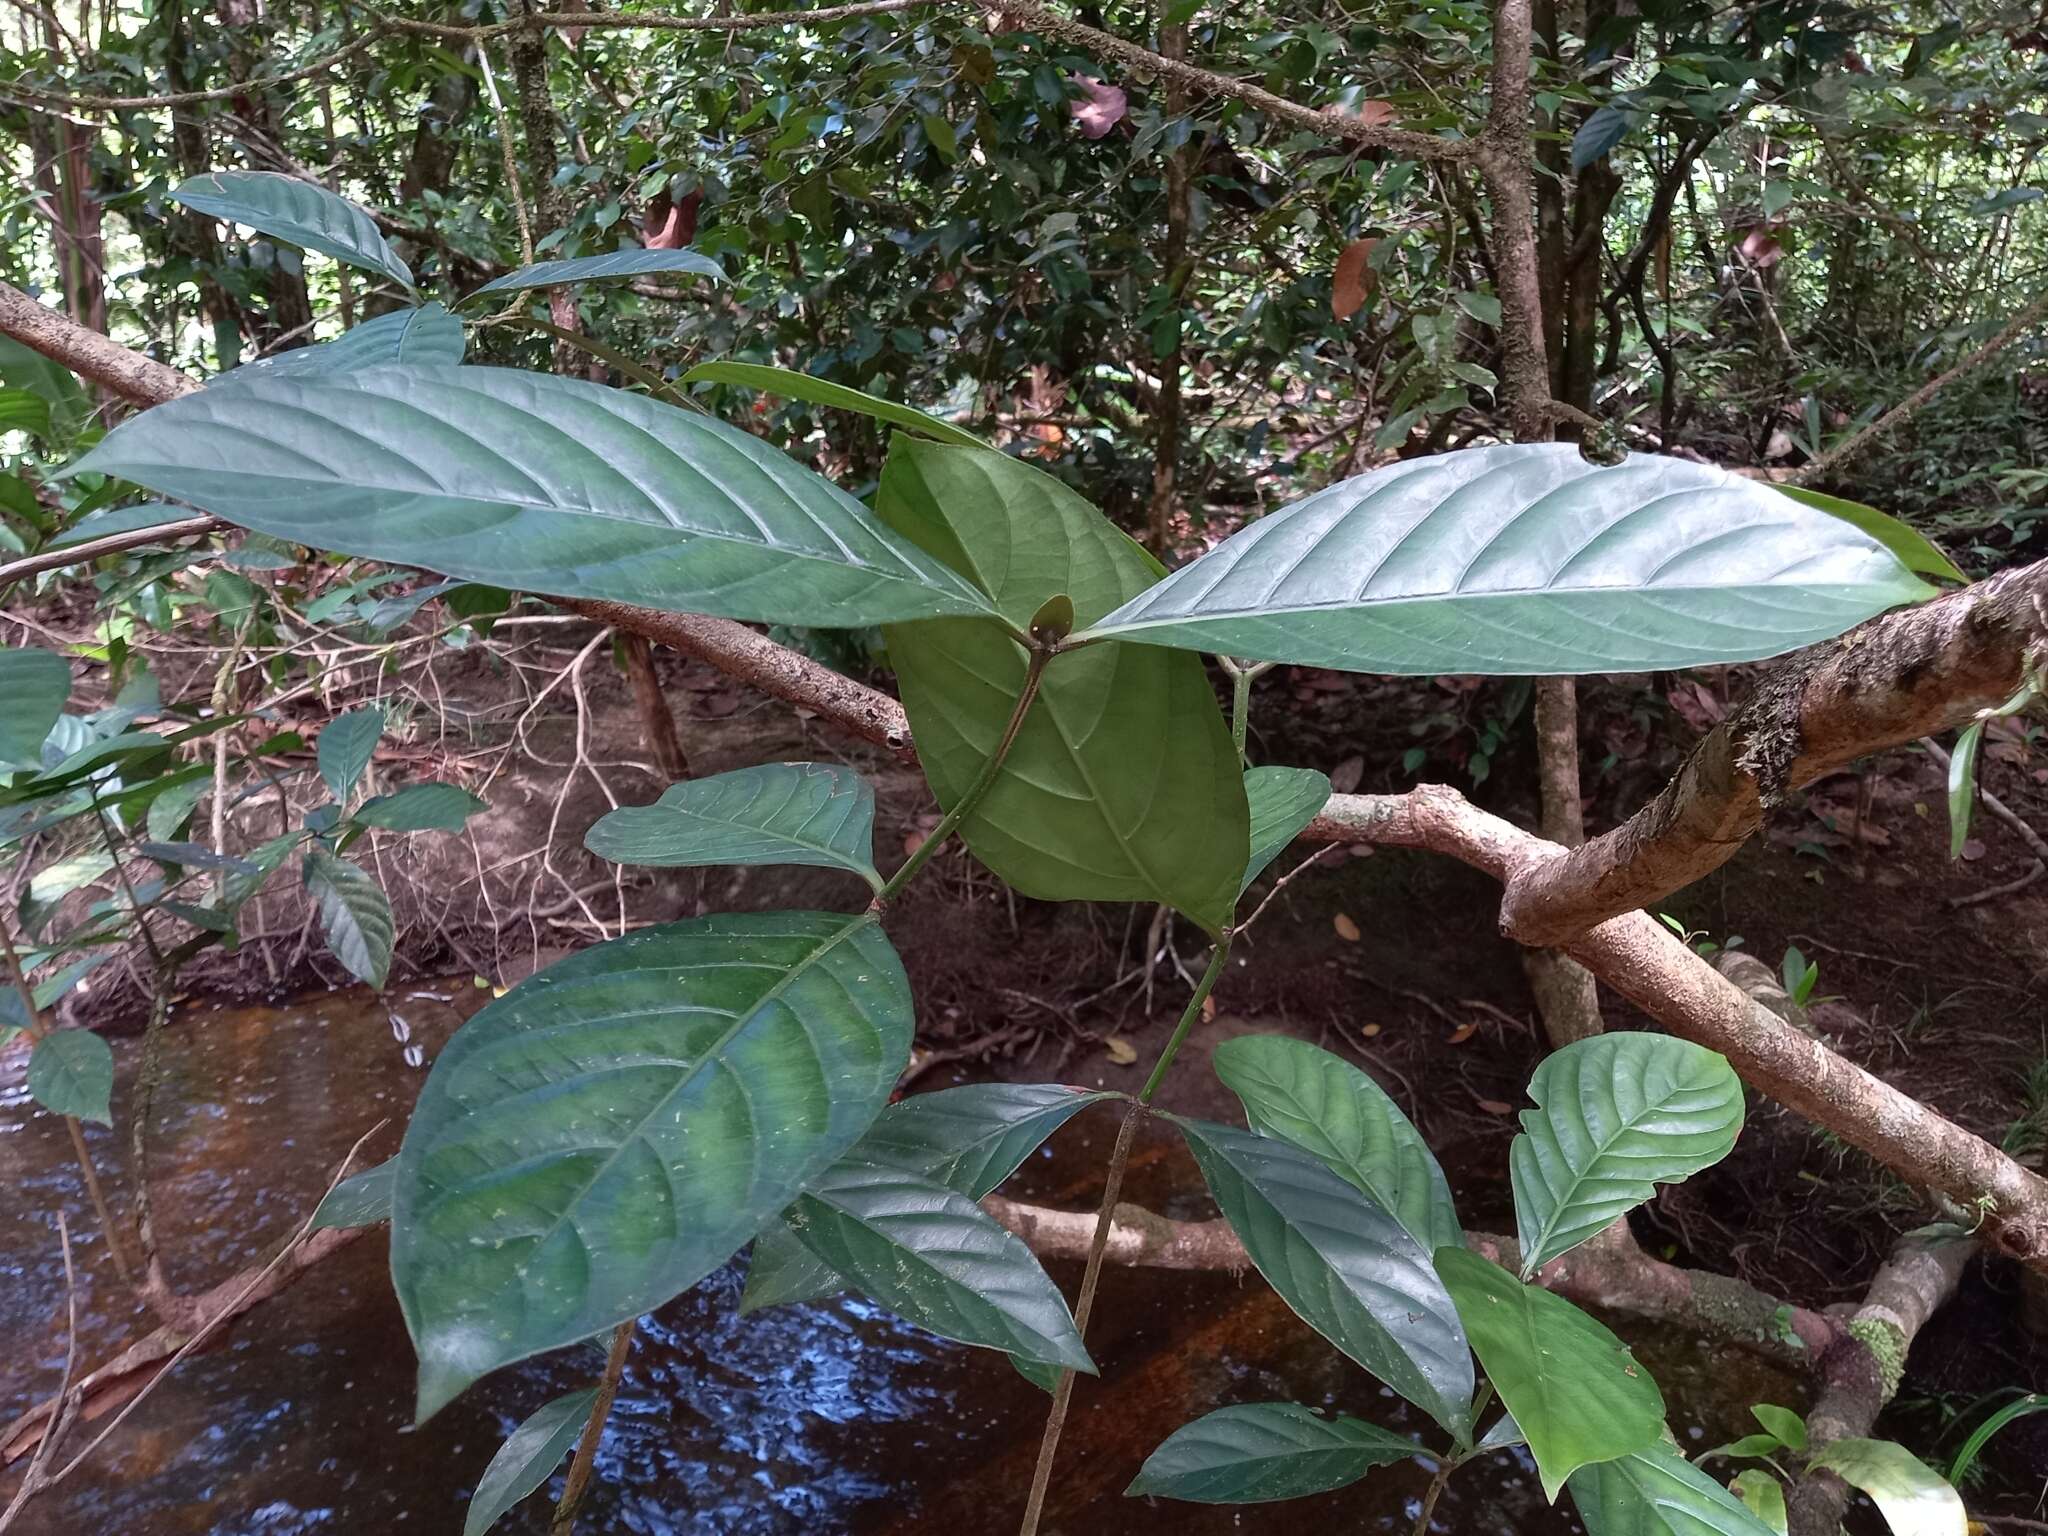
779, 813
613, 264
1282, 801
1123, 784
23, 410
1914, 1498
1332, 1110
1258, 1452
428, 334
529, 481
1346, 1267
653, 1100
1524, 559
529, 1454
1616, 1116
361, 1200
346, 745
1354, 280
420, 808
355, 915
33, 687
297, 212
1576, 1392
782, 1271
936, 1258
71, 1072
1915, 550
194, 856
1656, 1492
1962, 785
1765, 1497
1603, 128
792, 385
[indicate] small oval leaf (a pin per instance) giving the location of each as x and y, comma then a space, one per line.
71, 1072
355, 915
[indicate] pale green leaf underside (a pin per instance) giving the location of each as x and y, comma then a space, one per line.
1656, 1492
529, 1454
297, 212
935, 1258
792, 385
1344, 1265
1332, 1110
619, 1125
1255, 1453
1123, 784
1577, 1394
1524, 559
33, 687
1915, 1499
1282, 802
428, 334
779, 813
542, 484
1616, 1116
354, 914
613, 264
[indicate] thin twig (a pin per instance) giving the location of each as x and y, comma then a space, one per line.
593, 1431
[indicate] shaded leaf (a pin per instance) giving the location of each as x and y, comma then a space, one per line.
1258, 1452
1576, 1392
1788, 1426
1962, 786
428, 334
361, 1200
529, 1454
781, 1271
71, 1072
354, 914
614, 264
112, 520
1616, 1116
33, 687
1281, 802
792, 385
346, 745
420, 808
1524, 559
1603, 128
778, 813
1914, 1498
1765, 1497
529, 481
656, 1100
297, 212
1656, 1492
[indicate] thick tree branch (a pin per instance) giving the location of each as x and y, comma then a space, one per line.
86, 352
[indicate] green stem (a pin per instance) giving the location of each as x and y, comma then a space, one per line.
1242, 676
1105, 1218
1034, 673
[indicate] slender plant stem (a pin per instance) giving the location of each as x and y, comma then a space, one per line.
1034, 673
1242, 676
585, 1461
1444, 1469
1105, 1218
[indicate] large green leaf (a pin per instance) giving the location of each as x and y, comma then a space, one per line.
779, 813
1914, 1498
1255, 1453
1616, 1116
1282, 801
33, 687
613, 264
355, 914
1657, 1492
792, 385
71, 1072
346, 745
619, 1125
297, 212
428, 334
1326, 1106
933, 1256
1525, 559
1123, 784
1347, 1268
529, 1454
528, 481
1575, 1391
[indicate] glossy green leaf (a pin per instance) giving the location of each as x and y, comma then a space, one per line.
1914, 1499
1524, 559
420, 808
33, 687
1282, 801
529, 1454
1788, 1426
1255, 1453
428, 334
613, 264
1329, 1108
935, 1258
1504, 1435
297, 212
71, 1072
1744, 1447
361, 1200
1962, 785
346, 745
1123, 784
782, 1271
779, 813
528, 481
1765, 1497
619, 1125
1616, 1116
354, 914
792, 385
1347, 1268
1915, 550
1576, 1392
1657, 1492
